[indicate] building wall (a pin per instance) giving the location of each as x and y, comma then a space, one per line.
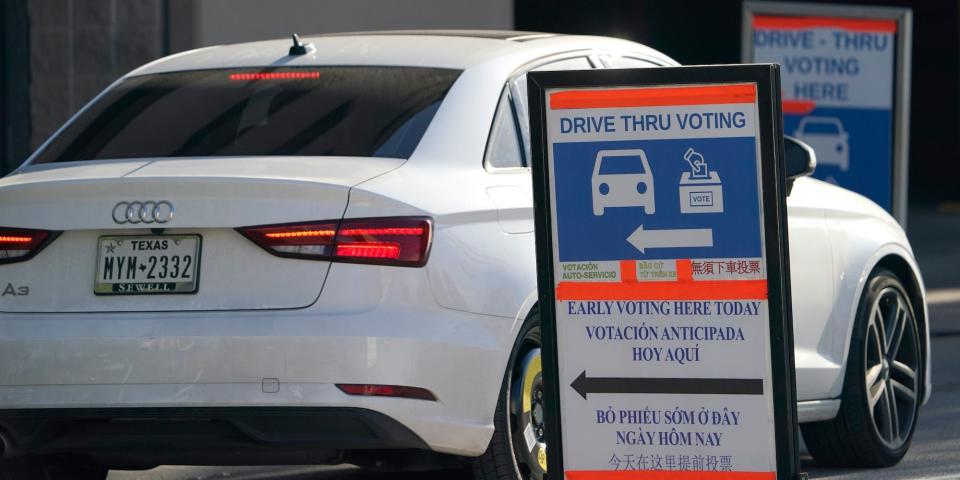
78, 47
230, 21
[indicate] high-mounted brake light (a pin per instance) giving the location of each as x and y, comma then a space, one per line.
19, 244
246, 77
401, 241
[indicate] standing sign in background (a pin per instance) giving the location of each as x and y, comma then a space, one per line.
662, 260
845, 73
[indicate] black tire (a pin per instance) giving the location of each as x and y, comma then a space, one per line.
40, 468
504, 458
875, 436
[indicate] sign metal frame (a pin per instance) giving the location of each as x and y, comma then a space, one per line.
902, 67
766, 77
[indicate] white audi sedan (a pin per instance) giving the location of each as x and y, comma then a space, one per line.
324, 253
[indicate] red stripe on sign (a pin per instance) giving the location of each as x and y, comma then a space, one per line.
628, 271
804, 23
654, 97
684, 270
798, 107
666, 475
692, 290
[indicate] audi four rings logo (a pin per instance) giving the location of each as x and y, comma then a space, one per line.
143, 212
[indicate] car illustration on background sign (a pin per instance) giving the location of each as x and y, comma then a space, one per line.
355, 279
828, 139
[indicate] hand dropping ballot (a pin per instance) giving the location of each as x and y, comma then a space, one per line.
700, 188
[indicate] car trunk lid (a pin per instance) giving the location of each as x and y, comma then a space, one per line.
209, 197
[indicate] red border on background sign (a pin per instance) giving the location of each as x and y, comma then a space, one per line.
654, 97
798, 107
667, 475
803, 23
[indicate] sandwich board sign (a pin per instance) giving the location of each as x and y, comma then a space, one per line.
663, 273
846, 89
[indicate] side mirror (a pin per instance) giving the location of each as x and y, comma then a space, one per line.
800, 160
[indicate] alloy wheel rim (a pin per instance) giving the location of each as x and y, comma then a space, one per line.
892, 366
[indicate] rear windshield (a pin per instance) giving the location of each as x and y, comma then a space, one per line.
322, 111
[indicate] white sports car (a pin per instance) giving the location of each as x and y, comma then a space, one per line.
324, 253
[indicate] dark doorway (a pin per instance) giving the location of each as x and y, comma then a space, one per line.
14, 85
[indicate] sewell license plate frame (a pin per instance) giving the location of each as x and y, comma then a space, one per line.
138, 287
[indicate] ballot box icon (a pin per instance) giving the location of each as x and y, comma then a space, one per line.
700, 189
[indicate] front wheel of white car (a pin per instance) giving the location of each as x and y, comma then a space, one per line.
882, 387
517, 450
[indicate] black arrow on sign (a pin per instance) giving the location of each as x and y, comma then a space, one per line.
679, 386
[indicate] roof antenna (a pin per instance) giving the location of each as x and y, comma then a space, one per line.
299, 48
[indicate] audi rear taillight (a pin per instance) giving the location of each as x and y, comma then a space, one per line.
307, 240
402, 241
19, 244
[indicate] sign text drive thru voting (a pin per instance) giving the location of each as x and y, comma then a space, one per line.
662, 260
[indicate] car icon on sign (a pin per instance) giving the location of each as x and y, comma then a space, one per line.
622, 178
828, 139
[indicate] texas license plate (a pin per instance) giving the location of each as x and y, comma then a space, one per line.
148, 264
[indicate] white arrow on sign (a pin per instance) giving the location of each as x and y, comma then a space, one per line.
691, 237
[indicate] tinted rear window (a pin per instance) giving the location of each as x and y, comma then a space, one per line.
322, 111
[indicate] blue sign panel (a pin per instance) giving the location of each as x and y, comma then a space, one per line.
657, 199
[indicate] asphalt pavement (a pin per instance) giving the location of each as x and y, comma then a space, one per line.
934, 455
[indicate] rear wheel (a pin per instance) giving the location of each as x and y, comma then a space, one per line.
42, 468
517, 450
881, 393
